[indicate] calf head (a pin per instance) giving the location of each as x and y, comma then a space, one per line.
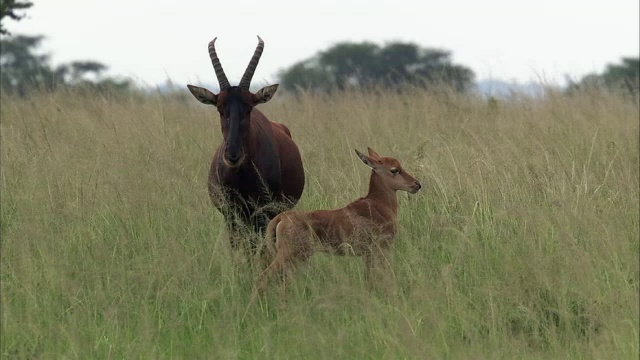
390, 171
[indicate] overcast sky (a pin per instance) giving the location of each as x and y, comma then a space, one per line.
151, 40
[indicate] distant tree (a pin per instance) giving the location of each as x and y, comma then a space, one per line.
305, 75
349, 63
24, 69
624, 76
8, 9
90, 73
80, 69
362, 64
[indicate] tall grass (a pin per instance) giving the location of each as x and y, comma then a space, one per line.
523, 242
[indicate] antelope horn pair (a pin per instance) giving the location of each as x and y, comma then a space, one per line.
248, 73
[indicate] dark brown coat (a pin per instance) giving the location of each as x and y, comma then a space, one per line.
269, 180
257, 171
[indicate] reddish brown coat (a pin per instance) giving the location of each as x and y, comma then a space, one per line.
366, 227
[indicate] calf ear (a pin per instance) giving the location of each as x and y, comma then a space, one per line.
203, 95
367, 160
373, 154
265, 94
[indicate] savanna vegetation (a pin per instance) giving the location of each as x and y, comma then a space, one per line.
523, 242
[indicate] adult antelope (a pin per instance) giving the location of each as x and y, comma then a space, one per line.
257, 171
366, 227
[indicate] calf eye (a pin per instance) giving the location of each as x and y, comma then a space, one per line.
394, 171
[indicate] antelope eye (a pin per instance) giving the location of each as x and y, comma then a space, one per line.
394, 171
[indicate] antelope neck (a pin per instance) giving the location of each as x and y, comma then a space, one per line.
381, 193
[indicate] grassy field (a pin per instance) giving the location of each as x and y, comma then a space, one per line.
523, 242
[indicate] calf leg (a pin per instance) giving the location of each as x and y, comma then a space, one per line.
290, 252
265, 275
378, 269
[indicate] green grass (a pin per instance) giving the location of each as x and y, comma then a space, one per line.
523, 242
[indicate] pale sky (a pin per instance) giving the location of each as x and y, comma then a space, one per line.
501, 39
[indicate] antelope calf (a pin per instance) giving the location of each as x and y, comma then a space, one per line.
366, 227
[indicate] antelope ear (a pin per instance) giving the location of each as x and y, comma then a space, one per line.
367, 160
203, 95
265, 94
373, 154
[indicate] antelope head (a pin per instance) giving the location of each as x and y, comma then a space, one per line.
234, 104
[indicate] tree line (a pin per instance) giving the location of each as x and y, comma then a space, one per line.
344, 65
624, 76
393, 65
24, 69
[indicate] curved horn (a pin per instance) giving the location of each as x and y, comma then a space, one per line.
251, 68
222, 78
